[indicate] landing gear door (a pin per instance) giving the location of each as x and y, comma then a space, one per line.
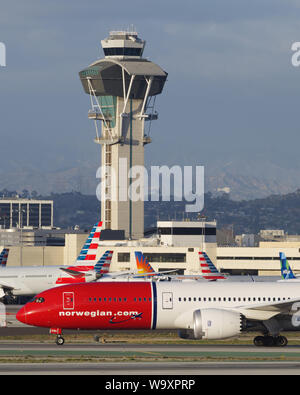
68, 300
167, 300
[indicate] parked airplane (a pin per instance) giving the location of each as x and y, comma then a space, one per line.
207, 271
4, 257
206, 310
30, 280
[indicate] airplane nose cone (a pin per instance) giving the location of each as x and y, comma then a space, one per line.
21, 315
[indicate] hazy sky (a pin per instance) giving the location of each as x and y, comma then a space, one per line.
232, 92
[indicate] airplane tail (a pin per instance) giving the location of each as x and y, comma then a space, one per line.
286, 270
89, 273
143, 266
103, 265
4, 257
89, 250
208, 269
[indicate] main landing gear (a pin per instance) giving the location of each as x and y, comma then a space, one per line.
270, 341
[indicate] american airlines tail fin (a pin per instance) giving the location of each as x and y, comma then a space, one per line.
103, 265
286, 270
4, 257
94, 272
208, 269
89, 250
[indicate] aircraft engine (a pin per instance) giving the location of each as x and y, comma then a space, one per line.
214, 324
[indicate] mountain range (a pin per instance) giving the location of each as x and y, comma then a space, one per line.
244, 180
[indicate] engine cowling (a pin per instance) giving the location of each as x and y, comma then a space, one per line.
214, 324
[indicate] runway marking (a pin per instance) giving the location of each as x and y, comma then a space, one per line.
229, 355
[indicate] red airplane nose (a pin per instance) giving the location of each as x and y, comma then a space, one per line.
21, 315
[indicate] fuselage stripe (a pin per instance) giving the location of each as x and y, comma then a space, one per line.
154, 305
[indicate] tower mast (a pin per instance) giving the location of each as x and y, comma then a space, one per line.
121, 86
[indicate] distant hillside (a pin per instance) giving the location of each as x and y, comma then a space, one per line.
250, 216
251, 178
246, 216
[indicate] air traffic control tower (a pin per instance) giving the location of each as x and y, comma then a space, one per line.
122, 88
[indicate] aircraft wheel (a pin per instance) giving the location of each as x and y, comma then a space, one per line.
259, 341
60, 340
266, 341
281, 341
269, 341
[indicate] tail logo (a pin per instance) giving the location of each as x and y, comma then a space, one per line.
4, 257
89, 250
143, 266
208, 269
286, 271
102, 266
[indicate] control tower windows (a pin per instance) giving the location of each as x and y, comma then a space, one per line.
121, 51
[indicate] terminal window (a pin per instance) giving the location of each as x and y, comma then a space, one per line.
46, 215
124, 257
5, 215
166, 257
34, 214
23, 215
15, 215
188, 231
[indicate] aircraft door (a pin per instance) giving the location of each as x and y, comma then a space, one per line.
167, 300
68, 300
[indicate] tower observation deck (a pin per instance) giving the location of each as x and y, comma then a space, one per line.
122, 88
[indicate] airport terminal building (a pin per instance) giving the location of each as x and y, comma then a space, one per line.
26, 213
174, 246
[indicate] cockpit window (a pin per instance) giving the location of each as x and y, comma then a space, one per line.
38, 300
